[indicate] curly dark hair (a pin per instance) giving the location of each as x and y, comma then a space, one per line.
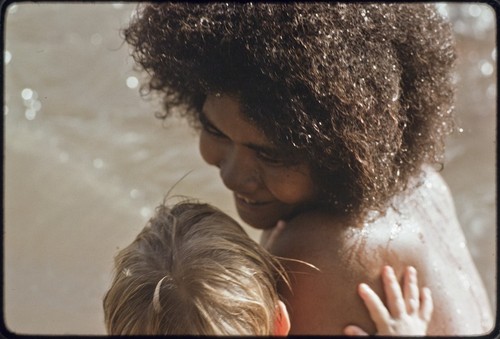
363, 91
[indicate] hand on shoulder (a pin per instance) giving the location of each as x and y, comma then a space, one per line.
408, 310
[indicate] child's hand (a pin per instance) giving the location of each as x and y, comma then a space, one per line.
409, 310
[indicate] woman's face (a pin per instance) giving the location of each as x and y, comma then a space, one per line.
266, 188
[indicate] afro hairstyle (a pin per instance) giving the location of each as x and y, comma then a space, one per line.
363, 92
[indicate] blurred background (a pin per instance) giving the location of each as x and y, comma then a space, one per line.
86, 162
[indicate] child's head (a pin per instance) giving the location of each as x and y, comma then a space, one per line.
361, 92
194, 270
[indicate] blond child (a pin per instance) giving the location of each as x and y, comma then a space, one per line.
194, 270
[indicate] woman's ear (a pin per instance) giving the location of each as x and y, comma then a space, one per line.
282, 322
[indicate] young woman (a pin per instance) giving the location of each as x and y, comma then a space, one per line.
332, 118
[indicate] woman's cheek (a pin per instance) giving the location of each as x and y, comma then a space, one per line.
289, 186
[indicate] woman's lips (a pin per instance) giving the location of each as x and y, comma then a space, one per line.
259, 214
244, 200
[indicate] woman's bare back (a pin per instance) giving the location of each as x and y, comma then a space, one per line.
420, 229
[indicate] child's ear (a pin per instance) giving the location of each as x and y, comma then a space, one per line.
282, 322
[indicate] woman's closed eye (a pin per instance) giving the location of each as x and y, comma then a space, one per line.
272, 159
213, 131
276, 157
209, 128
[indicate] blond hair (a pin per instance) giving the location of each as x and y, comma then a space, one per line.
193, 270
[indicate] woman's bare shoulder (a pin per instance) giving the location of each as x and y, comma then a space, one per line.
344, 255
323, 299
319, 233
309, 234
324, 237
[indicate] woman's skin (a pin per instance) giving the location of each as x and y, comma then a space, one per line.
420, 231
264, 190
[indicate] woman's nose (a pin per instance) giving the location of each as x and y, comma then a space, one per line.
238, 171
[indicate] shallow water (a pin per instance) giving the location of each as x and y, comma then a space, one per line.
86, 161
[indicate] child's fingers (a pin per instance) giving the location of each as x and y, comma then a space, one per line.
393, 292
411, 291
354, 330
378, 312
426, 304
